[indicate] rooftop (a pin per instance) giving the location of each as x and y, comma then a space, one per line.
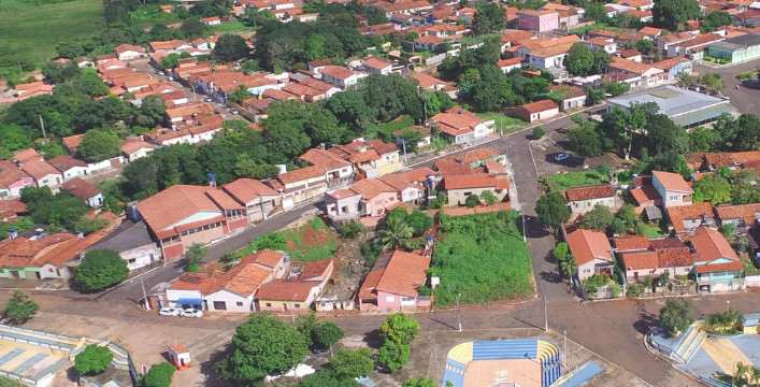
684, 107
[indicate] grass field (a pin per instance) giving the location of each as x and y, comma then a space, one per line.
564, 181
482, 258
150, 15
311, 242
231, 27
31, 30
504, 123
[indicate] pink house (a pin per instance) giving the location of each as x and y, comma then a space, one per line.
12, 180
367, 197
540, 21
392, 286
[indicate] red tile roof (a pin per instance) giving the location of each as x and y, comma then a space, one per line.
80, 188
590, 192
404, 274
539, 106
631, 243
474, 181
246, 190
672, 181
587, 245
679, 214
297, 291
710, 244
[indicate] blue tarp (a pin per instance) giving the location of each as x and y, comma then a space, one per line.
196, 302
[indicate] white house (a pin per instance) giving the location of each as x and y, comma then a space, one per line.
462, 126
583, 199
592, 253
342, 77
672, 188
133, 243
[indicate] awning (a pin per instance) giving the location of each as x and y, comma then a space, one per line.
197, 302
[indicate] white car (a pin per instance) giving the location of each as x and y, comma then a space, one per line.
191, 312
173, 312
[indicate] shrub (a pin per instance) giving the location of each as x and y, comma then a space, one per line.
538, 132
634, 291
20, 308
325, 334
472, 201
352, 363
100, 269
93, 360
160, 375
352, 230
676, 315
393, 356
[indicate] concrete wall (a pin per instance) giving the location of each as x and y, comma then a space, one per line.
226, 301
141, 256
584, 206
458, 197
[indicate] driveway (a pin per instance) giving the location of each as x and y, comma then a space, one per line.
746, 98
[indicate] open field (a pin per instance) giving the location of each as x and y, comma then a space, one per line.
576, 179
31, 30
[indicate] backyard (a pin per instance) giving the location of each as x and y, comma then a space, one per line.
505, 124
481, 258
31, 30
563, 181
310, 242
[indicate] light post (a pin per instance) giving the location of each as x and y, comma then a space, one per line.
459, 314
728, 305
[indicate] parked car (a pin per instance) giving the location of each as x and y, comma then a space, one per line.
561, 157
173, 312
192, 312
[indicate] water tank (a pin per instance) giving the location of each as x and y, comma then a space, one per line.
132, 212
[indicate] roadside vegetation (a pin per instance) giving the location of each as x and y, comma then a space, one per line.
481, 258
311, 242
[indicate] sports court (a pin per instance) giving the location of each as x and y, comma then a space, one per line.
32, 356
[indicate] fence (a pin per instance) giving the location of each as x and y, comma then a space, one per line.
752, 281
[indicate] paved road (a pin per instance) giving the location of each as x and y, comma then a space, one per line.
132, 289
746, 98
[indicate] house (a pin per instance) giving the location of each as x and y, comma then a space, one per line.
135, 149
84, 191
11, 209
230, 291
736, 49
13, 180
425, 138
687, 219
673, 189
537, 20
259, 200
431, 83
71, 143
299, 185
373, 158
459, 187
592, 253
69, 167
741, 216
339, 76
44, 174
462, 126
413, 185
183, 215
340, 172
651, 33
716, 265
393, 284
479, 157
211, 21
375, 65
134, 244
545, 53
631, 54
535, 111
569, 16
583, 199
673, 67
694, 47
296, 296
602, 44
569, 97
366, 197
640, 74
643, 258
43, 255
127, 52
507, 65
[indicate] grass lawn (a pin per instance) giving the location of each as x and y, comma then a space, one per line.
31, 30
231, 27
652, 231
576, 179
483, 258
310, 242
387, 129
501, 122
150, 14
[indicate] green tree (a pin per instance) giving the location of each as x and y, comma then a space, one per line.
714, 189
714, 20
100, 269
584, 139
580, 59
673, 14
419, 221
325, 334
195, 255
488, 18
99, 145
159, 375
552, 210
419, 382
488, 197
93, 360
193, 28
230, 48
703, 139
676, 315
351, 364
262, 346
472, 201
393, 355
712, 81
400, 328
324, 378
538, 132
599, 218
396, 234
20, 308
645, 46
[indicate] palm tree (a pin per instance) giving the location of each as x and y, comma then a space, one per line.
740, 375
396, 234
755, 375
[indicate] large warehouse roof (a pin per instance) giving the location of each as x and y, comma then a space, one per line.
684, 107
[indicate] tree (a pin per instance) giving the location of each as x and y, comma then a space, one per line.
325, 334
99, 270
19, 309
599, 218
538, 132
580, 59
170, 61
472, 201
712, 188
325, 377
93, 360
712, 81
419, 382
419, 221
230, 48
397, 233
262, 346
400, 328
645, 46
584, 139
393, 355
676, 315
552, 210
673, 14
194, 255
714, 20
160, 375
193, 28
488, 18
565, 261
595, 11
351, 364
703, 139
488, 197
99, 145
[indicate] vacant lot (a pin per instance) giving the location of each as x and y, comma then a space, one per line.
30, 30
576, 179
482, 258
311, 241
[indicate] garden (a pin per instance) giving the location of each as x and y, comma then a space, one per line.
567, 180
481, 258
312, 241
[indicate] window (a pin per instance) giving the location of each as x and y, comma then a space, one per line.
269, 304
220, 305
297, 306
131, 261
239, 303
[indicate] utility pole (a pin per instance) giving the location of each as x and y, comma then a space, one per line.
459, 313
146, 304
546, 316
42, 126
564, 348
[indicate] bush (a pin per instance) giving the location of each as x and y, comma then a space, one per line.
160, 375
472, 201
400, 328
393, 356
538, 132
93, 360
99, 270
350, 364
325, 334
352, 230
676, 315
19, 309
634, 291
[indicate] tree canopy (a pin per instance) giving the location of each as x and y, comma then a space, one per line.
99, 145
159, 375
230, 48
673, 14
100, 269
352, 363
676, 315
552, 209
93, 360
582, 60
488, 18
20, 308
